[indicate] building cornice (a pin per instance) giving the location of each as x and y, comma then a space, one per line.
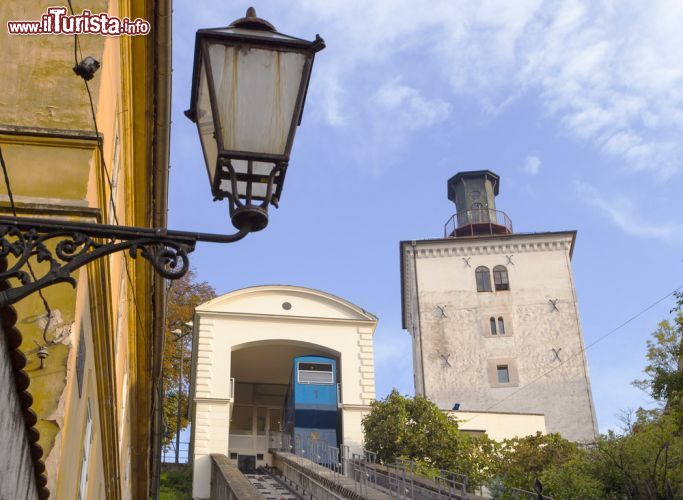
46, 135
204, 399
490, 245
346, 406
286, 318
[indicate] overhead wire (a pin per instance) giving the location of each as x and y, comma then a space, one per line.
77, 50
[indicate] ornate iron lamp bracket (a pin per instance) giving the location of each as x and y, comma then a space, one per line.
67, 246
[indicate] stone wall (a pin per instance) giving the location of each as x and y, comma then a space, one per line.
228, 483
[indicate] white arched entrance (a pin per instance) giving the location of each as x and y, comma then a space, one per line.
244, 346
260, 374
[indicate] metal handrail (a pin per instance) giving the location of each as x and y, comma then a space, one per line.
518, 493
477, 217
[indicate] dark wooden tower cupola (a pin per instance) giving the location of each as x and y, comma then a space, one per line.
474, 194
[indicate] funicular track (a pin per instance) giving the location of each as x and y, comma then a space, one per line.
272, 486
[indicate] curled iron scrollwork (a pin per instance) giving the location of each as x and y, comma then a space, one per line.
66, 249
169, 259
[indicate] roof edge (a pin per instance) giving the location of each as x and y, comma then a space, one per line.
310, 291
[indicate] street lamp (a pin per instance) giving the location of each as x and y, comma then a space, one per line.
248, 93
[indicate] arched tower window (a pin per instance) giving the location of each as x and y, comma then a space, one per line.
483, 279
492, 322
500, 278
501, 325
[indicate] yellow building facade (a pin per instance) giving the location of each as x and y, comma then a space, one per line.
97, 395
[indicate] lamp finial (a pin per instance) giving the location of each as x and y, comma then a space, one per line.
252, 22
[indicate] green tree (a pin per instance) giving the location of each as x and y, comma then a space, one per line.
664, 370
574, 479
523, 460
399, 427
646, 461
183, 296
414, 428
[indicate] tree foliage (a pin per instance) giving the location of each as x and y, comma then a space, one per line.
399, 427
413, 428
183, 296
523, 459
644, 460
664, 369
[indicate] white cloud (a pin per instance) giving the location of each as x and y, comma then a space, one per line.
414, 110
608, 72
532, 165
333, 97
624, 214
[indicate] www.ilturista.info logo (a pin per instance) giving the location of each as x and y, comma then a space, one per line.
57, 21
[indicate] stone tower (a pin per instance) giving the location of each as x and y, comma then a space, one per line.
493, 315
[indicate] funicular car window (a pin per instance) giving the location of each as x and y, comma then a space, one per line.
315, 373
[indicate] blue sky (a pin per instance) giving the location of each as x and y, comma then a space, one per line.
578, 106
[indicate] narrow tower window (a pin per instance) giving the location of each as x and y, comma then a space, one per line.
501, 325
493, 326
483, 279
500, 278
503, 374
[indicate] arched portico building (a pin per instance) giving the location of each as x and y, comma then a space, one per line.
244, 346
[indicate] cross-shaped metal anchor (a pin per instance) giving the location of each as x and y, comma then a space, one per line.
556, 352
442, 310
467, 261
509, 258
554, 304
445, 359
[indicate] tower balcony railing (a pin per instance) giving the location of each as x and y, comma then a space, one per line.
476, 222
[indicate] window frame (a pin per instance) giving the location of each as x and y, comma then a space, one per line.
496, 314
501, 279
86, 453
322, 369
485, 272
513, 375
505, 371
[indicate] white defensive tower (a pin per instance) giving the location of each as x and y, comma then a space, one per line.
493, 315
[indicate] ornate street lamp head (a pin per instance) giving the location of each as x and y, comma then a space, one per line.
248, 92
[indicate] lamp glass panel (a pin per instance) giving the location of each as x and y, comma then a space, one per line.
256, 92
205, 125
259, 186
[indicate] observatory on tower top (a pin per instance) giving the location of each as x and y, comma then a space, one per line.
474, 194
